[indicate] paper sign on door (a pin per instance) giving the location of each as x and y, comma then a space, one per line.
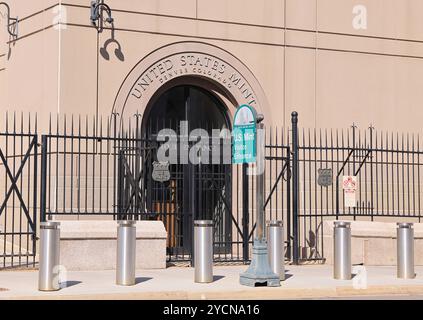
349, 184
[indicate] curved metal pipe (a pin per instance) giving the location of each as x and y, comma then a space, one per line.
7, 7
9, 24
108, 10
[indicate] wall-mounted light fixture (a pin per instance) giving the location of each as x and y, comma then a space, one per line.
12, 23
97, 9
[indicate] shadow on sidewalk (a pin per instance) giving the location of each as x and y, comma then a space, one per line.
69, 284
139, 280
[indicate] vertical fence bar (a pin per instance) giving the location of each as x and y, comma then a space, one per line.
34, 200
13, 169
294, 121
371, 172
43, 195
288, 203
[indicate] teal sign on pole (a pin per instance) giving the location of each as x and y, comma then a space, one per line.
244, 149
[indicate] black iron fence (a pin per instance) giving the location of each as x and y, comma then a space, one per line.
387, 169
89, 167
18, 191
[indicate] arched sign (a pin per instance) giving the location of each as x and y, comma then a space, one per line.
196, 63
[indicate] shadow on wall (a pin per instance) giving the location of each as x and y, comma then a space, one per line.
9, 52
11, 42
12, 27
118, 51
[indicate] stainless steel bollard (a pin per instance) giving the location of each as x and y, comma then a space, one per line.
126, 252
342, 268
48, 275
405, 251
275, 248
203, 251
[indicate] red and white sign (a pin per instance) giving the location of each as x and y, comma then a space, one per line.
349, 184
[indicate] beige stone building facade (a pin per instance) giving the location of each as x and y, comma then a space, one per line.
335, 62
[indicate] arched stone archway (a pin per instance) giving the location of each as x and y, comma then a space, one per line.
216, 70
195, 188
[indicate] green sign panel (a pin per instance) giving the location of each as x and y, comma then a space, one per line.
244, 135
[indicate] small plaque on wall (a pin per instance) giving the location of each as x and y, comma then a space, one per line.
325, 177
161, 171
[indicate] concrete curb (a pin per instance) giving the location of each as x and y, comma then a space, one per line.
258, 294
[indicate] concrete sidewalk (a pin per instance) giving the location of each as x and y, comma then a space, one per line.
310, 281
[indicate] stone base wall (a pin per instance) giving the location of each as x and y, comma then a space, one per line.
91, 245
373, 243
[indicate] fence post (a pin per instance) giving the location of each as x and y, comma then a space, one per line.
288, 205
294, 121
43, 197
120, 183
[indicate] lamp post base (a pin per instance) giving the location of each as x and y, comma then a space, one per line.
259, 272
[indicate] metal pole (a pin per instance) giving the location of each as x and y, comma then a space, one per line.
48, 275
245, 214
259, 271
294, 121
276, 248
121, 181
43, 196
260, 184
126, 251
405, 251
203, 251
288, 207
342, 268
337, 197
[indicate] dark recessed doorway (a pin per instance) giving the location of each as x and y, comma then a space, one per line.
195, 190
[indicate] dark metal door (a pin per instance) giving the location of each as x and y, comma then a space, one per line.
200, 190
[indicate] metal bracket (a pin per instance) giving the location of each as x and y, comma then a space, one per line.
96, 14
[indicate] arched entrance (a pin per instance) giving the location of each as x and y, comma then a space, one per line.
202, 84
194, 190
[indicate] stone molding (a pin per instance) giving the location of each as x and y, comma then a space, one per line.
189, 59
91, 245
373, 243
108, 230
372, 229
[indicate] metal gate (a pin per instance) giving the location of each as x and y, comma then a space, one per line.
19, 193
176, 194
